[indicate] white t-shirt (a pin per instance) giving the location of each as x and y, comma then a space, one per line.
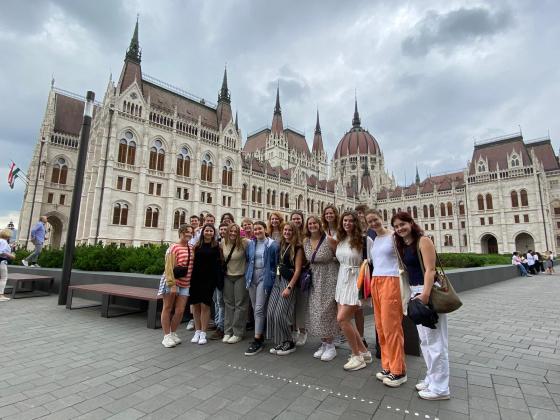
382, 254
530, 259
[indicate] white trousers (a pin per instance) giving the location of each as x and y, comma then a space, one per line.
3, 276
435, 351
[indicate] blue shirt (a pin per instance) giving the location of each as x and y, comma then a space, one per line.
38, 233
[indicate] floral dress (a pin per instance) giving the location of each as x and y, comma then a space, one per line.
322, 305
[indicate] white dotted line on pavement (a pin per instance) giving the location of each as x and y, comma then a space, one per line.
330, 391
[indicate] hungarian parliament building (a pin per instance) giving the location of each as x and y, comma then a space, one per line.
158, 155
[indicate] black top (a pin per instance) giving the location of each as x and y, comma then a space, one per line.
287, 261
412, 264
205, 273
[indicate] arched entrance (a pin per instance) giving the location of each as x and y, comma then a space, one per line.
524, 242
54, 231
489, 244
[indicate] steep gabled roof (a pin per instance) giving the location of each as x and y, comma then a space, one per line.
545, 153
296, 141
497, 152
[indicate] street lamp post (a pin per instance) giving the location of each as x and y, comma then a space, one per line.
76, 199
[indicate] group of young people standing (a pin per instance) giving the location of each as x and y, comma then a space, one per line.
267, 264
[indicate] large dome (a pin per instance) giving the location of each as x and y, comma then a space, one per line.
357, 141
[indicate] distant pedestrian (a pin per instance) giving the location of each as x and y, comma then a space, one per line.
549, 262
413, 245
174, 285
516, 260
38, 235
531, 262
6, 255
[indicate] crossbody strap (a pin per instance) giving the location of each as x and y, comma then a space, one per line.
316, 249
229, 256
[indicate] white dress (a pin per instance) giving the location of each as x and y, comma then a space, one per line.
350, 260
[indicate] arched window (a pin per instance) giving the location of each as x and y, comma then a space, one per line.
120, 214
480, 200
268, 197
259, 195
274, 197
432, 211
481, 166
227, 174
524, 199
442, 209
514, 161
514, 199
461, 208
60, 172
449, 209
409, 210
415, 212
254, 194
489, 203
206, 168
425, 211
393, 211
183, 162
281, 199
286, 201
127, 149
152, 216
157, 156
244, 192
179, 218
385, 214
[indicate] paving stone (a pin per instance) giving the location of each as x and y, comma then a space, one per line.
128, 414
540, 414
514, 403
543, 402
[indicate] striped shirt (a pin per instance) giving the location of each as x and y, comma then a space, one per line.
184, 257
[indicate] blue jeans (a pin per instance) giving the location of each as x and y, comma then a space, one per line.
522, 270
32, 258
219, 309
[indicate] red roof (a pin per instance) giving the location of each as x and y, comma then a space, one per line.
357, 141
497, 153
545, 153
68, 115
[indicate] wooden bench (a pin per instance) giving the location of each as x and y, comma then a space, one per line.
18, 280
108, 291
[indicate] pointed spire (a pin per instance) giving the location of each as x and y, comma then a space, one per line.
356, 123
417, 176
277, 124
236, 122
224, 94
133, 53
277, 109
318, 139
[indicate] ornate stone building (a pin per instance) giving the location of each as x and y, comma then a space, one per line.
158, 155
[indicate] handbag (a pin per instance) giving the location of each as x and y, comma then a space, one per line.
306, 276
443, 297
364, 275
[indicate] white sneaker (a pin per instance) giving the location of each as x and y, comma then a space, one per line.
175, 337
319, 353
301, 339
4, 298
226, 338
25, 263
329, 353
196, 337
190, 325
234, 339
367, 357
432, 396
168, 341
202, 339
421, 386
36, 266
355, 363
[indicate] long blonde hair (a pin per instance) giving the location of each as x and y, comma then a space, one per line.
293, 243
238, 243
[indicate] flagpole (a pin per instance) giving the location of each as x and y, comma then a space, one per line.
43, 141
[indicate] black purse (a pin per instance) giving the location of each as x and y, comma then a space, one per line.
306, 276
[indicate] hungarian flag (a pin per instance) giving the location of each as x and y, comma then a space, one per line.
12, 175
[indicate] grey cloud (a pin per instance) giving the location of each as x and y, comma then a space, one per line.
453, 29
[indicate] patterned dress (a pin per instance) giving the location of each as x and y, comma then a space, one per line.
322, 305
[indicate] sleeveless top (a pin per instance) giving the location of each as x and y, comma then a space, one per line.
412, 264
286, 257
384, 258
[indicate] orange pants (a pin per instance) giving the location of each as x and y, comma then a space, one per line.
387, 307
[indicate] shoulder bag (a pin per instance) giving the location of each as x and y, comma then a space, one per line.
306, 276
443, 297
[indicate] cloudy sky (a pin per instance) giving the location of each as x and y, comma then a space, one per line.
431, 76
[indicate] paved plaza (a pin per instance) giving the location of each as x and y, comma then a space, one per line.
56, 363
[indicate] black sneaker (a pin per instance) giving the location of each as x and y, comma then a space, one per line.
286, 348
395, 380
254, 348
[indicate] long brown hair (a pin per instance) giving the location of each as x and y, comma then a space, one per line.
238, 241
356, 240
336, 216
294, 242
213, 242
280, 225
416, 231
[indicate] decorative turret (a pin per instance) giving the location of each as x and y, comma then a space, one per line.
318, 148
417, 176
224, 103
356, 123
132, 70
277, 125
236, 122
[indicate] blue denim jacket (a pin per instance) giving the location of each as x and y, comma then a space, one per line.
270, 263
